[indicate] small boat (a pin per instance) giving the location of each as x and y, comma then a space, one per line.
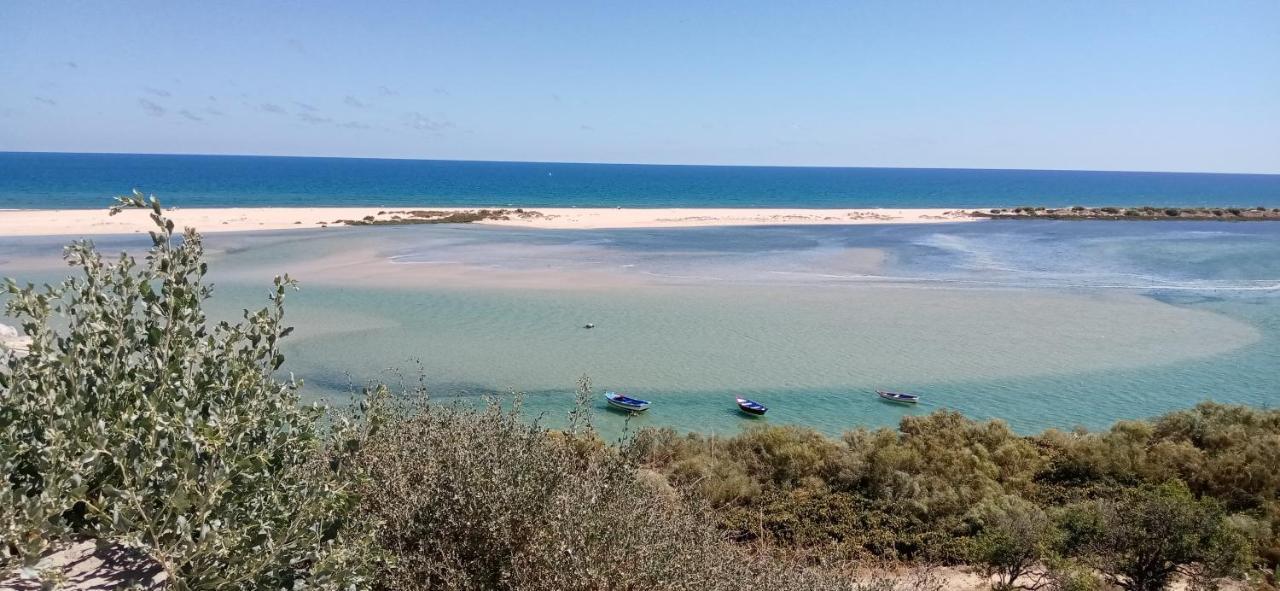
898, 397
751, 407
625, 402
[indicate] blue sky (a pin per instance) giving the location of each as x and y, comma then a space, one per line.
1181, 86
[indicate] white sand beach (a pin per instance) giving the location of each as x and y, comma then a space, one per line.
84, 222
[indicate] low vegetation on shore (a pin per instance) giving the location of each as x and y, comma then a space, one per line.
130, 420
1235, 214
429, 216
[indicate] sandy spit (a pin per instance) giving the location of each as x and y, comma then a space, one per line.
84, 222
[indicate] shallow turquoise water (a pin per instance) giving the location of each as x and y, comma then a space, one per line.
1042, 324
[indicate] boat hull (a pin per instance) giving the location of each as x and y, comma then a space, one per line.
626, 403
751, 407
898, 398
624, 406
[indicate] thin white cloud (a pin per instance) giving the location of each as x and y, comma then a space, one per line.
352, 101
190, 115
151, 108
420, 122
156, 91
312, 119
272, 108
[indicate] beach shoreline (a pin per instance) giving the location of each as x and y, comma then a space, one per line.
85, 222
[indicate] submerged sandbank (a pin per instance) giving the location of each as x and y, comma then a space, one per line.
83, 222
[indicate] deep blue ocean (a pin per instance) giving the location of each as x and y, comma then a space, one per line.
47, 180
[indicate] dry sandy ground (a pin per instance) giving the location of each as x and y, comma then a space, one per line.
83, 222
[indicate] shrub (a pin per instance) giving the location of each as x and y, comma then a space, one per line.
1110, 210
942, 464
1171, 212
132, 420
473, 498
1141, 540
1015, 538
1064, 574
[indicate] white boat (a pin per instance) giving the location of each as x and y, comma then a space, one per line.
625, 402
899, 397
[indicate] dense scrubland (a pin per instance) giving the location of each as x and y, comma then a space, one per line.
134, 421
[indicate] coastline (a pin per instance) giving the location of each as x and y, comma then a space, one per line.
84, 222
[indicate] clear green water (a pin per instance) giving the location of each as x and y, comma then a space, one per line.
1040, 324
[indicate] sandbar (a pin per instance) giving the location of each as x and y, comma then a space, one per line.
85, 222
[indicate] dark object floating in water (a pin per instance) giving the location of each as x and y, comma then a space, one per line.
751, 407
898, 397
626, 403
589, 325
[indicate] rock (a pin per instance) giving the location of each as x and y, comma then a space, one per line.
93, 566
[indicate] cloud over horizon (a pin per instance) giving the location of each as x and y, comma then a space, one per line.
420, 122
151, 108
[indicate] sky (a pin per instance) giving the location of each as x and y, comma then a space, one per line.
1094, 85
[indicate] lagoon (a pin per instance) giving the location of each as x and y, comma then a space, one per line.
1042, 324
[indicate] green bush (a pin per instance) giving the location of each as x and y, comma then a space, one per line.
1015, 538
1143, 539
132, 420
471, 498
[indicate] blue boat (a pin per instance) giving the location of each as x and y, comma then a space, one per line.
625, 402
899, 397
751, 407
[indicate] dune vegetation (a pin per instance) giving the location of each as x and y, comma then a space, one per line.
1145, 212
131, 420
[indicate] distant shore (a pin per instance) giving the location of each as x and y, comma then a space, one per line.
1226, 214
85, 222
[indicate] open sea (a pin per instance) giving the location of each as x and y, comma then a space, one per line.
1039, 323
44, 180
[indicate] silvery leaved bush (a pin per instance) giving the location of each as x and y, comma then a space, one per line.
134, 420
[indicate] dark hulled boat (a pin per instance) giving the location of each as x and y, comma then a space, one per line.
751, 407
